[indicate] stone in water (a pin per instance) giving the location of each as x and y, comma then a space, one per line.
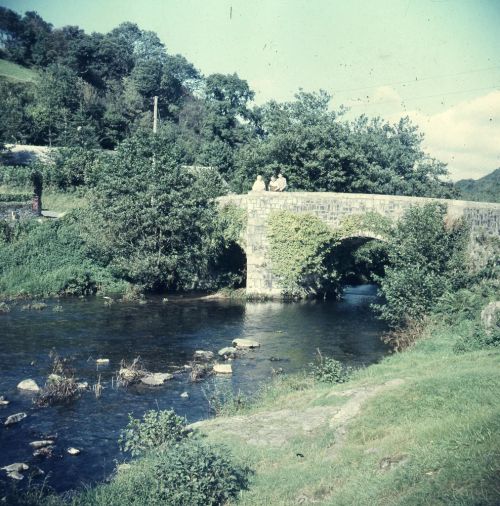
15, 418
246, 343
28, 384
102, 361
156, 379
223, 368
16, 467
73, 451
41, 444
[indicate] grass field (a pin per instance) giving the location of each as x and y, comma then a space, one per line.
14, 72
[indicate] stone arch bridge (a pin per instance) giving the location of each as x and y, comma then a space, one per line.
332, 208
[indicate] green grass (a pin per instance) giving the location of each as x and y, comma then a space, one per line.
52, 200
442, 422
14, 72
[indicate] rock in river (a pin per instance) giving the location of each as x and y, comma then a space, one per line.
223, 368
228, 351
73, 451
41, 444
15, 475
246, 343
28, 384
3, 401
15, 418
156, 379
16, 467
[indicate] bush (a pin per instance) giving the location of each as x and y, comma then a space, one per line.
478, 339
426, 260
156, 429
329, 370
187, 474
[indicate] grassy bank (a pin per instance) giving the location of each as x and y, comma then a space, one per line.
421, 427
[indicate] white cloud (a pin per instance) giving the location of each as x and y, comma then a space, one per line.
466, 136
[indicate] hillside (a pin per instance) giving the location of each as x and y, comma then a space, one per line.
14, 72
485, 189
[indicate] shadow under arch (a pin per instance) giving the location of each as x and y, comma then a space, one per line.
231, 266
359, 257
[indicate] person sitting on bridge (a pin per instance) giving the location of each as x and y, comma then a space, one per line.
280, 183
273, 186
259, 185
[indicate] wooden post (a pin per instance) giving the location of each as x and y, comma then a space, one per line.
155, 115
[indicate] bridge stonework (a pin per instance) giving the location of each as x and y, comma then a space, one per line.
332, 208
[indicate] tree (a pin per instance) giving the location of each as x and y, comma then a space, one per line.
150, 220
319, 151
426, 259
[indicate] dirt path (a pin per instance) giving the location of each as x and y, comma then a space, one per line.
276, 428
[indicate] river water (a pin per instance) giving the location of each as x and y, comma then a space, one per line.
164, 335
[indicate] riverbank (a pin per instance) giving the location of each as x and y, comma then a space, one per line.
421, 427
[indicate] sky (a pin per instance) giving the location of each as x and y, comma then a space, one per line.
437, 61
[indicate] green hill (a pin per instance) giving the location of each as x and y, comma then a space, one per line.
485, 189
14, 72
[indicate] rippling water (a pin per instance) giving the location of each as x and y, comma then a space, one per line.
165, 337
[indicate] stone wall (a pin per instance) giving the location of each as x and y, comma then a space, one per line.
332, 208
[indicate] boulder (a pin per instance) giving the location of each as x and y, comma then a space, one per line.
45, 451
228, 351
82, 386
490, 315
184, 395
3, 401
203, 355
156, 379
102, 361
41, 444
15, 475
223, 369
246, 343
29, 385
73, 451
15, 418
16, 467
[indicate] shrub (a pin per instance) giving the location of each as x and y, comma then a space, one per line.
156, 429
478, 339
426, 259
61, 387
187, 474
222, 400
329, 370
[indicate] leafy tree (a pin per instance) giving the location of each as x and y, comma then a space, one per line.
318, 151
426, 260
151, 220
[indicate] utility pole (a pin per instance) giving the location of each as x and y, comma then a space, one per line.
155, 115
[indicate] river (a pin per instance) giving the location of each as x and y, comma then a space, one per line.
164, 335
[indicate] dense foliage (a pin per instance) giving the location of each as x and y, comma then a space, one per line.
152, 221
157, 429
97, 90
427, 258
49, 258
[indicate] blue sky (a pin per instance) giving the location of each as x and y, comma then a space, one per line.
436, 60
